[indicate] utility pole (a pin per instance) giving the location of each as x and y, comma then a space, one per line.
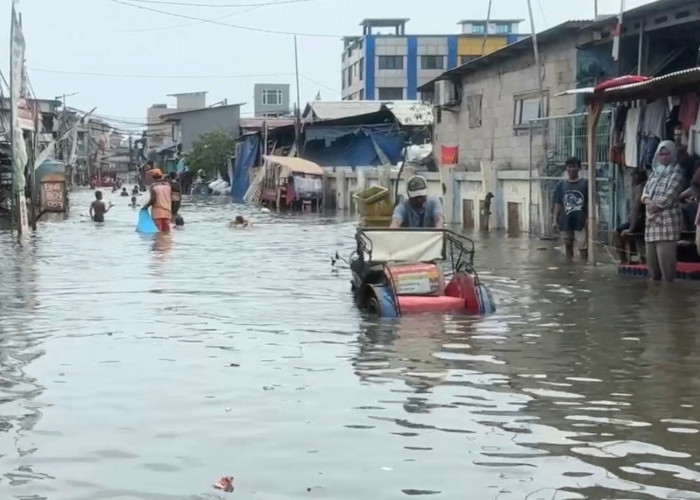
536, 52
297, 121
486, 31
595, 9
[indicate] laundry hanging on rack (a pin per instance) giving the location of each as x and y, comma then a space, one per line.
632, 121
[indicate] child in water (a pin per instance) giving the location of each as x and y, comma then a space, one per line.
241, 223
179, 222
133, 203
98, 209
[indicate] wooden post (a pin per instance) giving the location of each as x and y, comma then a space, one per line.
594, 110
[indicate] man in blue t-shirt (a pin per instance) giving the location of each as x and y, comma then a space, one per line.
420, 210
571, 209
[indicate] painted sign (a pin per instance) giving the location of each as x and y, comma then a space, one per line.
53, 196
416, 279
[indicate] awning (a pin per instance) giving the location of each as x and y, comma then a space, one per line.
294, 165
662, 86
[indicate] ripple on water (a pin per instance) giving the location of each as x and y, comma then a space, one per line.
176, 360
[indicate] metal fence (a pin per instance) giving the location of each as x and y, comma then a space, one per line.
554, 140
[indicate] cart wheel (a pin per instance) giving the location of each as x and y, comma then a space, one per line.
372, 306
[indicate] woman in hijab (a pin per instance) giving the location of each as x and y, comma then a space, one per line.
663, 227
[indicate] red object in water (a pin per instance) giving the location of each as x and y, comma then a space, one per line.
464, 287
619, 81
225, 484
414, 304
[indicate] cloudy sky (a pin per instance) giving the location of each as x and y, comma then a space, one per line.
121, 57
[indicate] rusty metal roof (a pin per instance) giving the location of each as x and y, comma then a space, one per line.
666, 85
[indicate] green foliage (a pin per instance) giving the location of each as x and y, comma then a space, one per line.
210, 152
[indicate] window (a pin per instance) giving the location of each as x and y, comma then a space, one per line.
390, 62
362, 69
390, 93
466, 59
527, 107
474, 110
342, 79
362, 94
432, 62
503, 29
350, 76
272, 97
479, 28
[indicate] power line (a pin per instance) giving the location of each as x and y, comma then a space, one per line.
178, 77
230, 5
219, 23
165, 28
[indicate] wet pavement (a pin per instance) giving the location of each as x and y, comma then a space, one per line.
147, 368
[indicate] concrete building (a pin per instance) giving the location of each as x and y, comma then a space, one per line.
159, 133
190, 100
187, 126
271, 99
392, 66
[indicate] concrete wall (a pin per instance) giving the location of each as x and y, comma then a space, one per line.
464, 189
261, 109
159, 133
498, 143
192, 100
196, 123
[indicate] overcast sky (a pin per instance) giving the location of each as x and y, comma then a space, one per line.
159, 54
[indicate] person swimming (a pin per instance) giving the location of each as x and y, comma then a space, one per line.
133, 203
98, 208
241, 223
135, 191
124, 192
179, 222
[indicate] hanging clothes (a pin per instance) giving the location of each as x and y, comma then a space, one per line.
655, 115
688, 112
631, 136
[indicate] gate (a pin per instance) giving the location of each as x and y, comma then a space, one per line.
552, 141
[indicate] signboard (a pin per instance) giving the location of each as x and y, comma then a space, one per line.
53, 196
416, 279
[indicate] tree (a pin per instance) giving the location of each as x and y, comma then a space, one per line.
210, 152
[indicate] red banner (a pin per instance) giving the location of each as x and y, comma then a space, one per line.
450, 155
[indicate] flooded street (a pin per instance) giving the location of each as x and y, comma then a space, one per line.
146, 368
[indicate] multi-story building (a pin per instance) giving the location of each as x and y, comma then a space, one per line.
392, 66
159, 132
271, 99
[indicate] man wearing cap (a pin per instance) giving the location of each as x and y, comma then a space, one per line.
420, 210
161, 201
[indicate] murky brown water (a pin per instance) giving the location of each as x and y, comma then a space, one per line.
141, 368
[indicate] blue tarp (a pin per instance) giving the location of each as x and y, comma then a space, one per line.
354, 146
245, 159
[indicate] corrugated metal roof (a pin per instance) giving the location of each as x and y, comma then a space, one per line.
257, 122
642, 11
409, 113
669, 84
333, 110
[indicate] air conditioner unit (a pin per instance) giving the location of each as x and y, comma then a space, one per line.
445, 94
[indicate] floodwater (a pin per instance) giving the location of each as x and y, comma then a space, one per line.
147, 368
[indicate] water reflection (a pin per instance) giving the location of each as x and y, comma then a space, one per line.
147, 367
